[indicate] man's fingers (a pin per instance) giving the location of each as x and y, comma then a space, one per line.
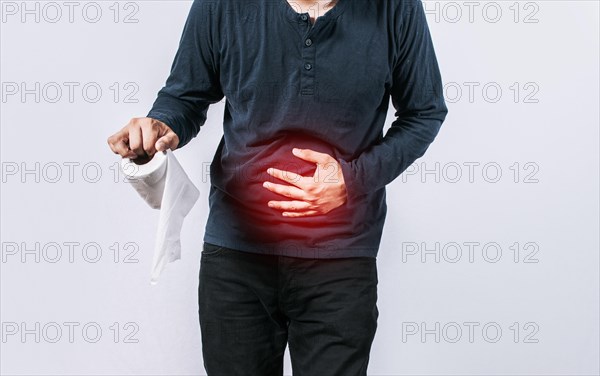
285, 190
118, 143
312, 156
300, 214
149, 136
141, 138
121, 148
290, 205
135, 141
287, 176
168, 141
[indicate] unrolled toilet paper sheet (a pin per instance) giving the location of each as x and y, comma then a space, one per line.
164, 185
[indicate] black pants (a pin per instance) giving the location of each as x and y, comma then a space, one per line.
252, 305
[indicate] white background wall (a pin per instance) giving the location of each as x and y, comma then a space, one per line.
508, 173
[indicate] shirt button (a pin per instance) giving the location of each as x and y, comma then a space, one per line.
308, 42
308, 66
304, 17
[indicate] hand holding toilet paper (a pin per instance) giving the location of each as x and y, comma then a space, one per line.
164, 185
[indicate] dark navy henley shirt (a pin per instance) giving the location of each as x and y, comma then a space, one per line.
324, 86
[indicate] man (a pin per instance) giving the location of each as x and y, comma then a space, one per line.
297, 198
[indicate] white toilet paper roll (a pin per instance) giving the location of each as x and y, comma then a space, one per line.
147, 179
164, 185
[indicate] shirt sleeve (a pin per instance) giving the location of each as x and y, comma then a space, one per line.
193, 83
417, 96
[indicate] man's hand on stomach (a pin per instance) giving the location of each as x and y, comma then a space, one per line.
310, 195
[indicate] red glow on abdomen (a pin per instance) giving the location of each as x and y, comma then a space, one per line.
243, 182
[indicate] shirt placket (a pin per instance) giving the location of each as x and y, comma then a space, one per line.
307, 77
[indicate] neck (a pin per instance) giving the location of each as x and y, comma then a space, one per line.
315, 8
